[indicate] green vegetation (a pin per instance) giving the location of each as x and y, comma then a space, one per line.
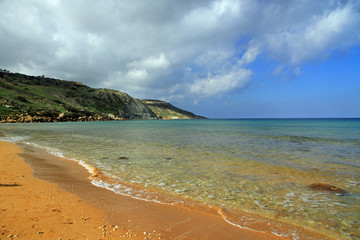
26, 98
164, 110
29, 98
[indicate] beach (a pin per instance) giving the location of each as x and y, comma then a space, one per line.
213, 179
67, 206
31, 208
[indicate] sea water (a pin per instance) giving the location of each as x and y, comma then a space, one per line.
259, 166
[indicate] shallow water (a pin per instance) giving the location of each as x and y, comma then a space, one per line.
262, 166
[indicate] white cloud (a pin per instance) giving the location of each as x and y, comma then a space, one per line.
213, 58
153, 62
146, 48
249, 56
137, 74
221, 83
319, 35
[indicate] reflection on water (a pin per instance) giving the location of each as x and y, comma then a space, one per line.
260, 166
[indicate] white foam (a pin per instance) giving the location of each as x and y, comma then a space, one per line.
237, 225
14, 139
128, 191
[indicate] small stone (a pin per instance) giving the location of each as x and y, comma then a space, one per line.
40, 232
145, 233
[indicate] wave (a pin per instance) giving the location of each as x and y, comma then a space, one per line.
14, 139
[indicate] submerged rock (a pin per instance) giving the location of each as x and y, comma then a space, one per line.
327, 187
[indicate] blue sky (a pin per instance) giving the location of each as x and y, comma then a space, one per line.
217, 58
328, 88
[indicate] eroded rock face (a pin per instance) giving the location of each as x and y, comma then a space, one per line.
327, 187
135, 109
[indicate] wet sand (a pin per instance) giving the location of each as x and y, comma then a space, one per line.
55, 199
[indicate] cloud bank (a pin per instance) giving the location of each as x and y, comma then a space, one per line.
171, 49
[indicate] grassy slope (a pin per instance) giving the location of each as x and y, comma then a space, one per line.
28, 95
22, 95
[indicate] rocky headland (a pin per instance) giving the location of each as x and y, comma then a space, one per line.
26, 98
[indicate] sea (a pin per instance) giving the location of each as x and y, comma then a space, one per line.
262, 167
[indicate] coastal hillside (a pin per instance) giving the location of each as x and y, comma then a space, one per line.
26, 98
165, 110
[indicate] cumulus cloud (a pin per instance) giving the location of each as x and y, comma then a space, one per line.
332, 29
171, 49
218, 84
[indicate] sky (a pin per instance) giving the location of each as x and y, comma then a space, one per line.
216, 58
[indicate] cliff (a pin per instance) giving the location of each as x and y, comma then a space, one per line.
165, 110
26, 98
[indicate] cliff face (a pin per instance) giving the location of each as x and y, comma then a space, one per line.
129, 107
165, 110
38, 99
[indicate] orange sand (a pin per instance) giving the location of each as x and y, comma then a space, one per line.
31, 208
68, 206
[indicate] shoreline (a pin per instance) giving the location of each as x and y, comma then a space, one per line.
138, 216
31, 208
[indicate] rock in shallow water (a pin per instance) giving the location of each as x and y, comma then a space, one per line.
327, 187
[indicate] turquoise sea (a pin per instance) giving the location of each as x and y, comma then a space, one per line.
258, 166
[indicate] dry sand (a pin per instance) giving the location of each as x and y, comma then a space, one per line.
54, 199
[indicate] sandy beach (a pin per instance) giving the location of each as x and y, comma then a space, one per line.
46, 197
31, 208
